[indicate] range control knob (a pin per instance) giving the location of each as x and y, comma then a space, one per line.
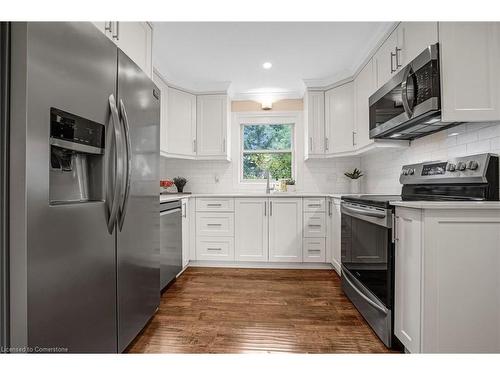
472, 165
451, 167
461, 166
411, 171
405, 172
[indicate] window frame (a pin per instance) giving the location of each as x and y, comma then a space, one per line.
269, 122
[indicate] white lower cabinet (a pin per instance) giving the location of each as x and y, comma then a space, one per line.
407, 293
447, 278
334, 232
186, 242
251, 229
215, 248
285, 230
314, 250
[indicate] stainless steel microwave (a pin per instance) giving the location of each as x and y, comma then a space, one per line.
409, 105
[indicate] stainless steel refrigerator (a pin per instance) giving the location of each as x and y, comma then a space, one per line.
83, 198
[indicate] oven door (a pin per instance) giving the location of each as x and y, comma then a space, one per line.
366, 248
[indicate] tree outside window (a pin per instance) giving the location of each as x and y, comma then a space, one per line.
267, 147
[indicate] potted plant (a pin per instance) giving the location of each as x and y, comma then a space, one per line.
354, 176
290, 185
180, 182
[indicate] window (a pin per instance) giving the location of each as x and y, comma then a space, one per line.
267, 147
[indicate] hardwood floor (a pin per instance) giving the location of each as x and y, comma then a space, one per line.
226, 310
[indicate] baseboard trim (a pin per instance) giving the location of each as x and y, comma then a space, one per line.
228, 264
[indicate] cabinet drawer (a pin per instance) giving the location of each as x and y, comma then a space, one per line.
314, 250
314, 204
314, 224
214, 248
219, 224
215, 204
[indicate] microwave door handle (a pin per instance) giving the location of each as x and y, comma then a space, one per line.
404, 92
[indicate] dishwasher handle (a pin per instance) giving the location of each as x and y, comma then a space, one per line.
168, 212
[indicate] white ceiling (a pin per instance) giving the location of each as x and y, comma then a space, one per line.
215, 56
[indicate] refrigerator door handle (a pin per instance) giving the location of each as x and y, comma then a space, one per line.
113, 145
128, 164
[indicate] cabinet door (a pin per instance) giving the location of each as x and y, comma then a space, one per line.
470, 67
162, 86
285, 230
135, 39
407, 292
385, 60
251, 229
212, 120
413, 39
336, 233
181, 124
339, 112
364, 86
315, 117
185, 232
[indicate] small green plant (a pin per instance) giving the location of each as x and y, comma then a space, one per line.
354, 175
180, 182
290, 181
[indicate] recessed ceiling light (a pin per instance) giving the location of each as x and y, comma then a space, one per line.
267, 65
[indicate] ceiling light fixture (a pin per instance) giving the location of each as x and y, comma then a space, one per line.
267, 65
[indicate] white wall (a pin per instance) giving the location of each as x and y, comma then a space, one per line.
382, 169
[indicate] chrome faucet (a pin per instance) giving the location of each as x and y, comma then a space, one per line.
268, 183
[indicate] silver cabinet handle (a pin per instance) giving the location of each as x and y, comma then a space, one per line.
392, 67
194, 145
310, 144
116, 34
271, 208
398, 65
114, 141
214, 204
214, 224
184, 210
128, 164
329, 208
107, 26
353, 141
314, 205
224, 145
393, 228
214, 248
326, 144
314, 225
265, 208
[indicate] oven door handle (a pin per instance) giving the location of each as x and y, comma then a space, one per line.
359, 211
368, 300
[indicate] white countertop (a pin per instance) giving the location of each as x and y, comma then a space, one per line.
174, 197
446, 205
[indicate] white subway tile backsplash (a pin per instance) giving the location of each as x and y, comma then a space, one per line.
383, 169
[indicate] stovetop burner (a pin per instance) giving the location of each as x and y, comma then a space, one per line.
372, 200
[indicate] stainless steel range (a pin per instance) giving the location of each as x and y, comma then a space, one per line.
367, 243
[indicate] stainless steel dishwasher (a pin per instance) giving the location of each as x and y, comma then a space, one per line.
170, 242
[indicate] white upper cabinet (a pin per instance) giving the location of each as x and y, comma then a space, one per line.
412, 39
212, 117
470, 70
162, 86
339, 118
285, 230
314, 104
364, 86
133, 38
251, 229
385, 60
405, 43
181, 124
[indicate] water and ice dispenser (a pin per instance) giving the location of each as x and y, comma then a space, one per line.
76, 159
